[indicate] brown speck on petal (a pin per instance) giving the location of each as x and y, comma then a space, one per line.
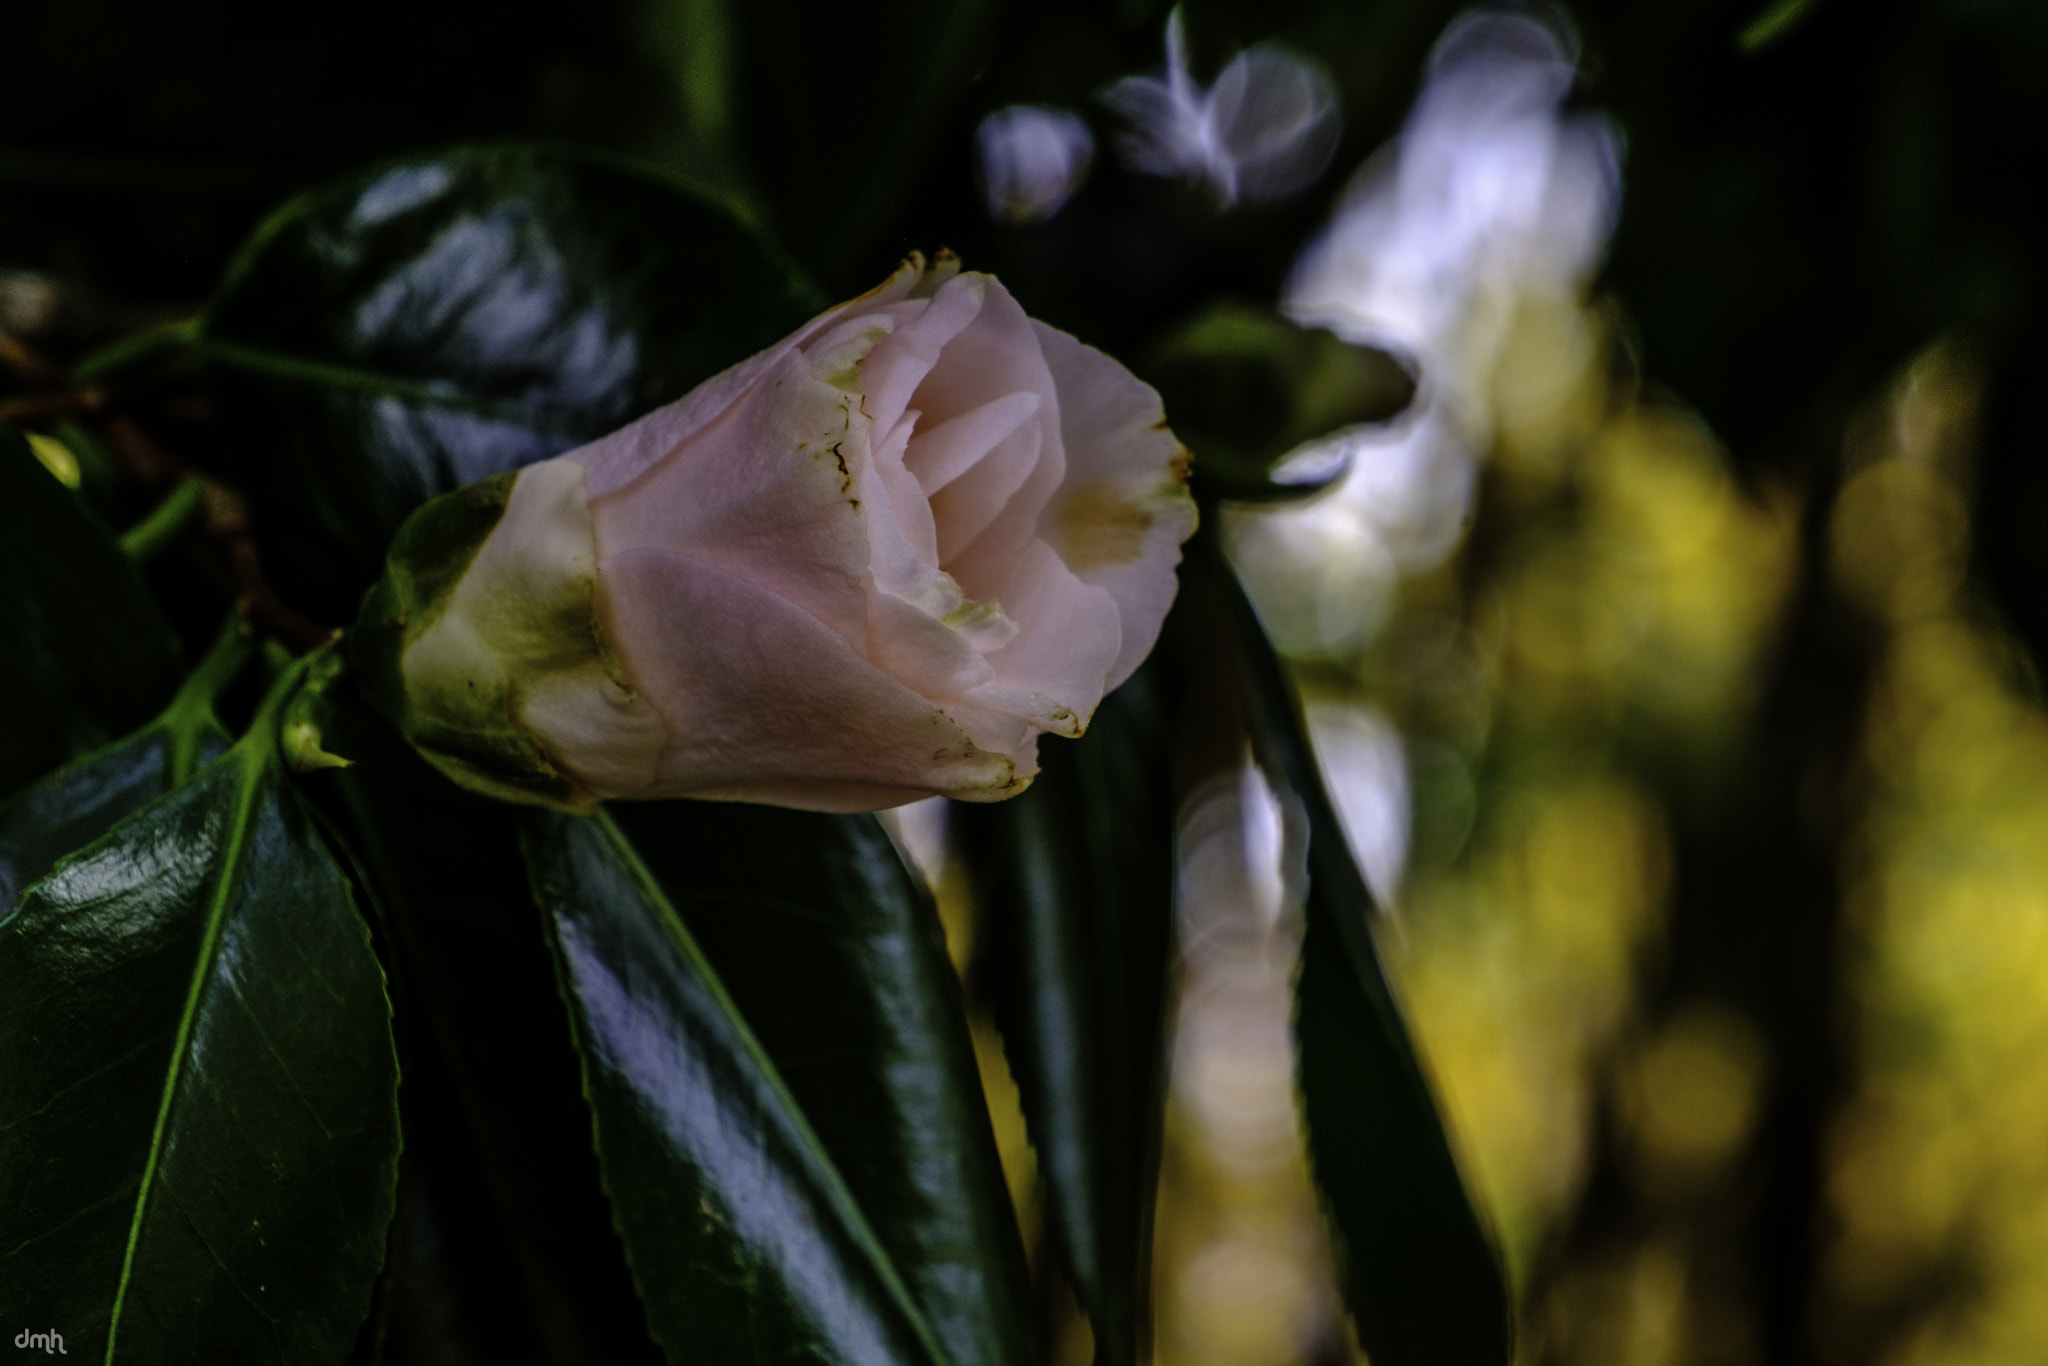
1100, 525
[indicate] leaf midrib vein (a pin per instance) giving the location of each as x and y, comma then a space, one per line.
216, 915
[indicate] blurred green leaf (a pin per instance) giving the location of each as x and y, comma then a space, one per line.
838, 113
745, 1241
80, 802
504, 1244
1075, 888
1418, 1270
201, 1101
1243, 387
453, 316
1771, 24
84, 654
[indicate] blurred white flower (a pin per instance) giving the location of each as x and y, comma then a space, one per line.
1488, 195
1366, 769
1032, 159
1236, 839
1489, 199
1265, 129
1325, 572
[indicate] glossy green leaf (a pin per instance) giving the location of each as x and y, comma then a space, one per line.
84, 654
450, 317
504, 1244
745, 1241
200, 1109
78, 803
1076, 893
1418, 1270
835, 957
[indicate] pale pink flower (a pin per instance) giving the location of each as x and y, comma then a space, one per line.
871, 564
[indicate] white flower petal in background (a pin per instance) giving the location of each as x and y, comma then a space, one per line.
1488, 193
1031, 159
1325, 572
1264, 130
1490, 198
1241, 881
1366, 768
1236, 839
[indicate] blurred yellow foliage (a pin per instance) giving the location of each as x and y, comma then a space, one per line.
1661, 593
1627, 601
1518, 970
1689, 1097
1939, 1175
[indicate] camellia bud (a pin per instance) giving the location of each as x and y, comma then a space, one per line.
873, 563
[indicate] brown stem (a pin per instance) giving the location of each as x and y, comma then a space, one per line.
64, 403
226, 524
27, 363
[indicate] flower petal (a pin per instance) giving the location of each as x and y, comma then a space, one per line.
943, 452
770, 492
894, 488
1056, 669
615, 460
990, 492
1119, 519
1004, 493
922, 652
764, 703
923, 332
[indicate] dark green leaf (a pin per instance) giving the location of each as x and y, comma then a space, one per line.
500, 1188
84, 654
1419, 1272
836, 960
746, 1243
835, 170
201, 1112
80, 802
1246, 386
1076, 891
451, 317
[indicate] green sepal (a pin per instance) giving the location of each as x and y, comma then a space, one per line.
301, 733
486, 750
